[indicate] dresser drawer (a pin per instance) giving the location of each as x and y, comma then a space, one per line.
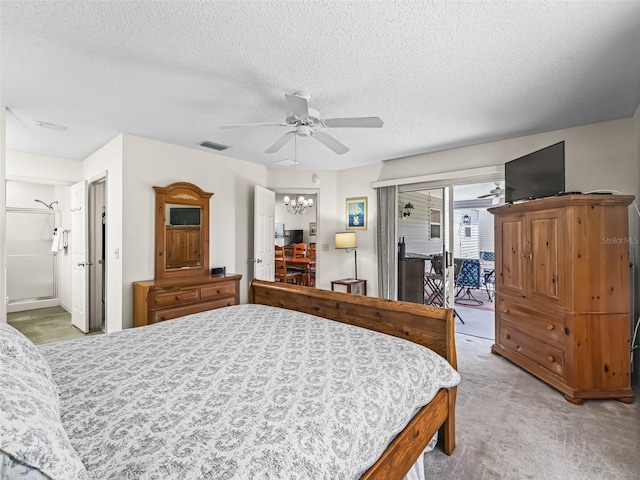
169, 298
546, 327
212, 292
543, 354
171, 313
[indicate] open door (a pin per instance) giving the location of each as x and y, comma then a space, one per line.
79, 277
264, 206
426, 272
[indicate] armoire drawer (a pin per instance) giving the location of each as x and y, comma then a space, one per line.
546, 327
543, 354
168, 298
212, 292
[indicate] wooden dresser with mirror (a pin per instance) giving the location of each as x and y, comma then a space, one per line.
182, 283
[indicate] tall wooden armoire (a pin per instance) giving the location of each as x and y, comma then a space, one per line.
563, 308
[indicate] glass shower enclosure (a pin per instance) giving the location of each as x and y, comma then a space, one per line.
32, 265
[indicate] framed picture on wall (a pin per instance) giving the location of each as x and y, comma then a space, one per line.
356, 209
313, 229
279, 230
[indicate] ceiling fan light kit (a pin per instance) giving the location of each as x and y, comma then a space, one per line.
308, 123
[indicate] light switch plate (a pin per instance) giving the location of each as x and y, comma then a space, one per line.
325, 247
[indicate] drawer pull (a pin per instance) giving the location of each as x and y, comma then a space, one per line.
506, 310
550, 358
550, 326
507, 336
219, 290
178, 297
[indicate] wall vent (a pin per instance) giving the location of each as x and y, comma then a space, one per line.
215, 146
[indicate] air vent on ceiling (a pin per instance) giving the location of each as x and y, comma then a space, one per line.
215, 146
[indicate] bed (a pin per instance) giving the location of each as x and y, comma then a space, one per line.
269, 389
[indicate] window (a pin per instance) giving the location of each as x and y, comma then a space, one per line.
434, 223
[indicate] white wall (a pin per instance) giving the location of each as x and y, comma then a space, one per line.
147, 163
636, 236
36, 168
3, 212
599, 155
108, 161
356, 182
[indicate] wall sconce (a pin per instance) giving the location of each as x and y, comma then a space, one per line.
348, 242
407, 210
466, 220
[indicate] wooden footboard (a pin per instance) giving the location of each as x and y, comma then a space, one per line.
432, 327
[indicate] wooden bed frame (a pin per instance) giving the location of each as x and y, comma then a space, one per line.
432, 327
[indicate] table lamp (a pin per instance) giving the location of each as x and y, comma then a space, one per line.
347, 241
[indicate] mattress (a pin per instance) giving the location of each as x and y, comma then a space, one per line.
242, 392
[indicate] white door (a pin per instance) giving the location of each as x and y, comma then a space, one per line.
79, 277
264, 207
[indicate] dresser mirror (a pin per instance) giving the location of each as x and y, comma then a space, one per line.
182, 230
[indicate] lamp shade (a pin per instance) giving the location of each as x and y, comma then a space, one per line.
346, 240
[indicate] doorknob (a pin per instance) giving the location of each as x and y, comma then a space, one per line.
259, 260
82, 264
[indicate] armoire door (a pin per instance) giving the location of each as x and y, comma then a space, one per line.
510, 255
545, 256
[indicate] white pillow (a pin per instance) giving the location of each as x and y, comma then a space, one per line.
31, 431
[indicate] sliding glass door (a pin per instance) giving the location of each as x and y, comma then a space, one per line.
425, 244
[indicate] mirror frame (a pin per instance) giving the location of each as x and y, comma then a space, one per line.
182, 193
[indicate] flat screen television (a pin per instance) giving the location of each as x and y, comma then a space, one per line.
184, 216
296, 236
536, 175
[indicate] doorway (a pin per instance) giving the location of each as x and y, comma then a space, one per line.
456, 232
97, 230
35, 245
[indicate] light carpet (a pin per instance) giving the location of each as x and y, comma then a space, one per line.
510, 425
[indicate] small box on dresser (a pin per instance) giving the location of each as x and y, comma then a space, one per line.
563, 306
159, 300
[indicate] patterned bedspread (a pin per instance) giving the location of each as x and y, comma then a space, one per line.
243, 392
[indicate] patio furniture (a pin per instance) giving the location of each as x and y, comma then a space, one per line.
469, 278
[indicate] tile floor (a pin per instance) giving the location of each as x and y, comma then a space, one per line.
46, 325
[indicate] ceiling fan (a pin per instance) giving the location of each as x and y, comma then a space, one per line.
308, 123
497, 193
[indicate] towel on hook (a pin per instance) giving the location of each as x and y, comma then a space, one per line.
55, 246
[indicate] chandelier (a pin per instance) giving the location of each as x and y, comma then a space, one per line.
301, 205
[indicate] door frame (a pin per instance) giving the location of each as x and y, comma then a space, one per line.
95, 230
307, 191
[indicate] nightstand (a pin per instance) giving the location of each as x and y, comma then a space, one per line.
355, 286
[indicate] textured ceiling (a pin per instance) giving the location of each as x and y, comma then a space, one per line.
440, 74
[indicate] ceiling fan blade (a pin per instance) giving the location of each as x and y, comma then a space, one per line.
330, 142
235, 125
356, 122
487, 195
281, 142
299, 106
495, 201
